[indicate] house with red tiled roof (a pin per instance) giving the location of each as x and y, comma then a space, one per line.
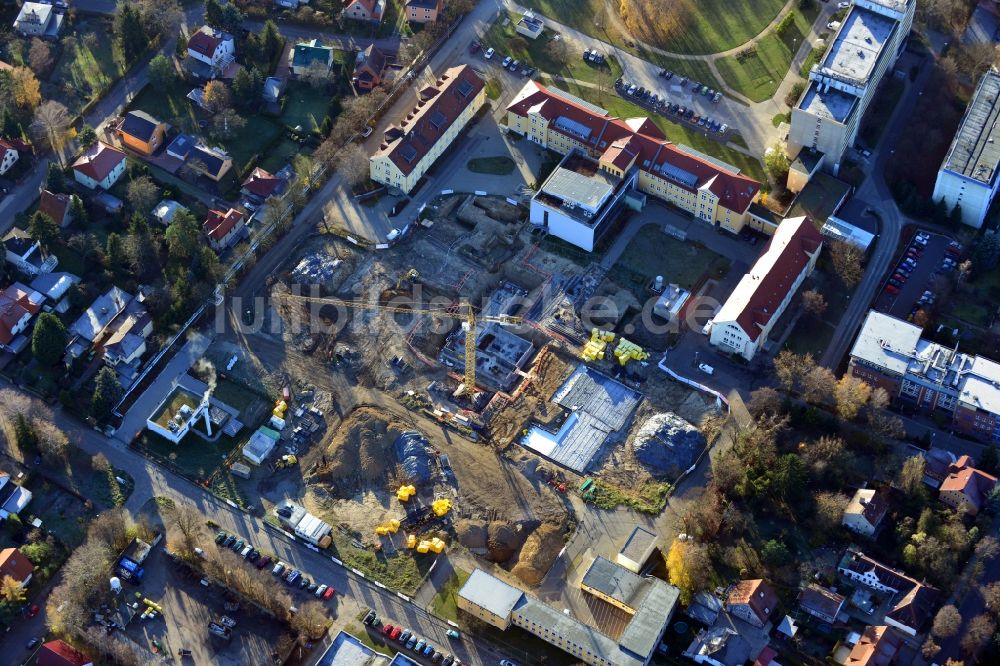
101, 165
370, 11
411, 146
58, 653
15, 565
18, 305
745, 320
966, 488
209, 53
878, 646
56, 206
223, 229
710, 190
261, 185
752, 600
423, 11
369, 66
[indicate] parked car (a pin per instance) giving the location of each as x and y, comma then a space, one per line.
716, 97
489, 53
33, 610
843, 5
238, 546
506, 62
448, 661
262, 561
631, 90
428, 650
279, 568
410, 643
419, 647
405, 636
722, 130
395, 633
245, 551
437, 657
474, 46
220, 537
369, 617
328, 593
889, 289
228, 543
514, 65
388, 629
304, 583
32, 643
318, 592
452, 633
706, 368
896, 283
292, 576
507, 662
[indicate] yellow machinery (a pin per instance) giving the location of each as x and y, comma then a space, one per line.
389, 527
466, 314
629, 351
594, 349
441, 507
287, 460
409, 276
405, 493
411, 541
279, 409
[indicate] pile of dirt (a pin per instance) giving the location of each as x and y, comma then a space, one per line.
472, 534
503, 540
538, 553
666, 443
360, 451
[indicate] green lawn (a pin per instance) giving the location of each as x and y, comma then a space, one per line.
653, 252
402, 572
548, 55
306, 106
497, 166
758, 73
493, 88
682, 26
85, 71
281, 154
443, 604
976, 300
698, 139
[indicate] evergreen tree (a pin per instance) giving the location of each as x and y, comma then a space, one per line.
48, 339
114, 250
213, 13
107, 391
130, 36
55, 179
25, 435
271, 42
77, 211
43, 229
955, 217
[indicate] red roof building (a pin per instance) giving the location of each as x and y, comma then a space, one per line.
752, 600
966, 488
58, 653
18, 304
878, 647
262, 184
15, 565
56, 206
100, 165
743, 323
222, 228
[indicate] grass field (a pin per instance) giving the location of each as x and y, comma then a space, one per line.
306, 106
547, 55
497, 166
443, 604
645, 256
85, 71
697, 139
758, 74
681, 26
281, 154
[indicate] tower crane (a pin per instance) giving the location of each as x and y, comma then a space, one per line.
466, 314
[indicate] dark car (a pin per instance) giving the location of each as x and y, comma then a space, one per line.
312, 588
262, 562
437, 657
239, 545
369, 617
889, 289
33, 643
304, 583
220, 537
405, 636
228, 543
896, 283
474, 46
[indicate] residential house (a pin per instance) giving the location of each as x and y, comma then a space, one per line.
141, 132
165, 210
966, 488
369, 67
181, 146
310, 56
38, 19
15, 565
109, 320
18, 306
530, 26
54, 287
213, 163
223, 229
423, 11
744, 322
865, 512
821, 603
752, 600
633, 148
100, 165
365, 10
58, 653
410, 148
915, 605
261, 185
209, 53
13, 498
937, 466
8, 155
26, 254
878, 646
56, 206
891, 353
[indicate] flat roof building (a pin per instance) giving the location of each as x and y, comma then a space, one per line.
637, 548
968, 175
841, 85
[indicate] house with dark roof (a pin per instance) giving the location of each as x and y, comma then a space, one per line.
15, 565
141, 132
712, 191
54, 287
26, 254
13, 498
752, 600
821, 603
966, 488
310, 56
181, 146
369, 66
8, 155
423, 11
745, 320
101, 165
56, 206
211, 162
58, 653
116, 324
261, 185
915, 602
209, 53
865, 511
370, 11
273, 89
223, 229
409, 148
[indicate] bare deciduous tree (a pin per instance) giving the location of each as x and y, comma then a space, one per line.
311, 620
818, 385
352, 165
39, 56
51, 123
829, 510
947, 622
978, 633
791, 368
813, 303
847, 260
142, 194
851, 394
764, 401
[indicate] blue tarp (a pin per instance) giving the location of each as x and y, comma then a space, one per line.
414, 455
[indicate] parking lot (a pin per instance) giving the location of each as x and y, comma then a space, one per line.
902, 298
691, 109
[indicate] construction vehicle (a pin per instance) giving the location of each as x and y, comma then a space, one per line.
466, 314
409, 276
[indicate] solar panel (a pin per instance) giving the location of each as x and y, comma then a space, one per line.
573, 127
680, 175
409, 153
464, 88
438, 119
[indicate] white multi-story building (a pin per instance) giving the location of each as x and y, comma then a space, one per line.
744, 322
842, 84
968, 176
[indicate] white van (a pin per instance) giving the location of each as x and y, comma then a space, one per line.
706, 368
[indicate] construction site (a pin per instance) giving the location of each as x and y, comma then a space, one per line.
421, 449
